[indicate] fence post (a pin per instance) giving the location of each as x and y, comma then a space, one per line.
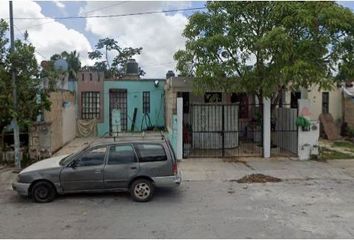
179, 144
266, 127
223, 130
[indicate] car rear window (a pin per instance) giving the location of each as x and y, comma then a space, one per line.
151, 152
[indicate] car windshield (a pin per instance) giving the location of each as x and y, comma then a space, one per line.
68, 158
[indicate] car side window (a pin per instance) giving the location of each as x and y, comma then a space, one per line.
149, 152
93, 157
121, 154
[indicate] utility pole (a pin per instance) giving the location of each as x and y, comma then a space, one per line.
14, 93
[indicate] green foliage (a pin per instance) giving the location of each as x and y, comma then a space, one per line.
263, 47
31, 98
121, 55
303, 122
52, 75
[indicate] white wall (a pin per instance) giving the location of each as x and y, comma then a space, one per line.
69, 123
335, 103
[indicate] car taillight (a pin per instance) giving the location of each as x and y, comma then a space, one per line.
174, 168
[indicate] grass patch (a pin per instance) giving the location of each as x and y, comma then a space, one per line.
328, 154
344, 144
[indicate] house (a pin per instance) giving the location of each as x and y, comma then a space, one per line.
139, 102
219, 124
54, 128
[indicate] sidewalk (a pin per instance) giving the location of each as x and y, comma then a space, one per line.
217, 169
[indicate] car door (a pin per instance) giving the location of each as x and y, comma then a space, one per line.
85, 172
121, 166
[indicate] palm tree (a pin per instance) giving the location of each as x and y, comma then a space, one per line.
74, 64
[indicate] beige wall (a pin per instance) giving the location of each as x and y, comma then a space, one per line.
56, 116
349, 112
335, 103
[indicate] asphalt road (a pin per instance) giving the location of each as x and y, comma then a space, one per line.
197, 209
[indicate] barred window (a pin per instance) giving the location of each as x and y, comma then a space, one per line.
146, 102
90, 105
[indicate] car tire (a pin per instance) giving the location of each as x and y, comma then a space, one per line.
43, 192
142, 190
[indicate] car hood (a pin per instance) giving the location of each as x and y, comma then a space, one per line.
45, 164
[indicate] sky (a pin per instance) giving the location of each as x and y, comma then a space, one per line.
160, 35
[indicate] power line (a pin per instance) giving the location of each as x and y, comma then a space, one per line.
112, 15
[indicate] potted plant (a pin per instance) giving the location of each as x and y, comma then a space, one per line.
303, 122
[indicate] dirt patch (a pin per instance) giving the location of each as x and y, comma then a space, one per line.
258, 178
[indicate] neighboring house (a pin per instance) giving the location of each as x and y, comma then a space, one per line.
348, 104
140, 101
56, 127
321, 101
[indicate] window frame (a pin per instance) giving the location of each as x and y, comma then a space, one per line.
117, 145
93, 108
146, 102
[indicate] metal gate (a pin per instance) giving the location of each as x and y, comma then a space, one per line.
118, 100
223, 130
284, 132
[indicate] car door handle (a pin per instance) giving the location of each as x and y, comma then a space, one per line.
132, 167
98, 171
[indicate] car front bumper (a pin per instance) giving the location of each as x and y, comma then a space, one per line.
21, 188
168, 181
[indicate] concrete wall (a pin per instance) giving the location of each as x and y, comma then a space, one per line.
85, 84
58, 127
69, 122
61, 119
135, 89
335, 103
349, 111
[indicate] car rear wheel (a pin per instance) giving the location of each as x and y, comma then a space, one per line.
43, 192
142, 190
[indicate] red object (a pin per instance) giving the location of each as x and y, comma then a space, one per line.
174, 168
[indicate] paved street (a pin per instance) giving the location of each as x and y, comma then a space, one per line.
209, 204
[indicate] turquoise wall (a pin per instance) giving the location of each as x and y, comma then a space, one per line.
135, 90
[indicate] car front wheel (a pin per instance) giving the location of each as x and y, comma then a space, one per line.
43, 192
142, 190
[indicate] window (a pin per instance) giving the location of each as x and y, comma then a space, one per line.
82, 76
146, 102
325, 102
150, 152
98, 77
212, 97
121, 154
90, 76
93, 157
293, 100
90, 105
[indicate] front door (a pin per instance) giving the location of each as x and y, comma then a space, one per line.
121, 167
86, 173
118, 100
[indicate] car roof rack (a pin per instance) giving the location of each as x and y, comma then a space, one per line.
139, 136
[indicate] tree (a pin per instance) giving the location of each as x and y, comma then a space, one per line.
117, 66
73, 60
262, 48
31, 98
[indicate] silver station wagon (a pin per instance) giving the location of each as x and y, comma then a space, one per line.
134, 166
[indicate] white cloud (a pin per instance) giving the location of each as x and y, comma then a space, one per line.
158, 34
59, 4
48, 36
